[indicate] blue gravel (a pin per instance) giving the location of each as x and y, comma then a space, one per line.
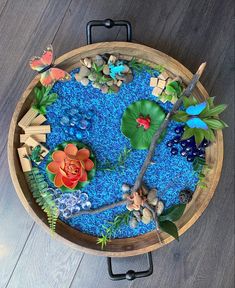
170, 174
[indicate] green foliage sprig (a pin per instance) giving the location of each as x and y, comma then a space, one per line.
39, 188
36, 154
140, 66
201, 168
113, 227
123, 156
168, 217
172, 92
43, 98
209, 115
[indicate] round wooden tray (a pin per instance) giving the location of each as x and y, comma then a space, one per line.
87, 243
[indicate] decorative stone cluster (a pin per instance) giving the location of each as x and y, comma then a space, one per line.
106, 73
137, 202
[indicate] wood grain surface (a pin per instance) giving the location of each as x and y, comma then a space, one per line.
191, 32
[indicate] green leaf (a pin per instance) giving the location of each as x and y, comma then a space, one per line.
173, 214
139, 137
215, 123
199, 135
188, 133
186, 102
42, 110
180, 116
170, 228
214, 111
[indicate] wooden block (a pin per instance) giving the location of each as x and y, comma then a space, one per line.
37, 137
42, 129
32, 143
38, 120
157, 91
119, 83
27, 119
164, 75
153, 81
161, 84
24, 161
169, 80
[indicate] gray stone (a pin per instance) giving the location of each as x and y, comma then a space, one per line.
92, 77
83, 72
125, 188
84, 81
104, 89
106, 70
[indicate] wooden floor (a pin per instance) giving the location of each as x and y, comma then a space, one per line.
190, 31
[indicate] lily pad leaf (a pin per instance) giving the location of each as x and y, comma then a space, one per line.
139, 135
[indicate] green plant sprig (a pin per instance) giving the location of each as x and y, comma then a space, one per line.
109, 232
122, 158
168, 217
43, 98
140, 66
36, 154
209, 115
201, 168
39, 188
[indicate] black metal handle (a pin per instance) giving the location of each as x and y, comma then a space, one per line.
108, 23
130, 275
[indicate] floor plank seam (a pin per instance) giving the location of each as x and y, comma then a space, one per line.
75, 273
18, 259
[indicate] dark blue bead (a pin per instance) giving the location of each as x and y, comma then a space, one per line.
194, 152
174, 151
190, 158
179, 130
183, 153
183, 143
201, 155
176, 139
188, 149
170, 143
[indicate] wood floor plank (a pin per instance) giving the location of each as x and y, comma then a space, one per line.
20, 36
45, 262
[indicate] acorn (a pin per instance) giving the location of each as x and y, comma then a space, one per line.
185, 196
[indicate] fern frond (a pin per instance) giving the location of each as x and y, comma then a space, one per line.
39, 188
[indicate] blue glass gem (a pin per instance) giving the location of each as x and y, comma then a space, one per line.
83, 197
190, 140
64, 121
183, 153
176, 139
67, 213
188, 149
76, 209
88, 114
72, 131
73, 111
78, 135
74, 121
83, 124
66, 130
179, 130
195, 152
62, 206
170, 143
86, 205
183, 143
201, 154
174, 151
190, 158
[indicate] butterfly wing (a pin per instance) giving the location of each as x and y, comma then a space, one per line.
196, 122
196, 109
39, 63
52, 75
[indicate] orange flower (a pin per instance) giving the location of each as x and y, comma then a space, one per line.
70, 166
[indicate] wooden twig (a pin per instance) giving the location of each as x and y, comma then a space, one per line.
148, 160
99, 210
187, 92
